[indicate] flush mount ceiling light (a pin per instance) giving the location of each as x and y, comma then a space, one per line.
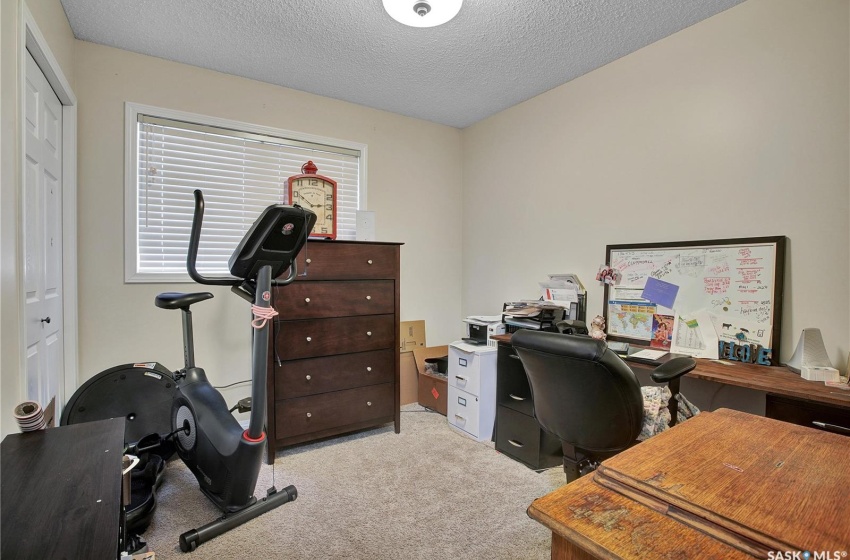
422, 13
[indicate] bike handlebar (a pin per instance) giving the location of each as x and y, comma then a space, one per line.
194, 241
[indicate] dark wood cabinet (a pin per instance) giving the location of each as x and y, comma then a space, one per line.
804, 413
334, 352
518, 435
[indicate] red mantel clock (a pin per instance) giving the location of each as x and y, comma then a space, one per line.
318, 194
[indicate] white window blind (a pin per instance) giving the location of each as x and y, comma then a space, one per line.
239, 172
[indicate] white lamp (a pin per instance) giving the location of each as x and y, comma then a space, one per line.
422, 13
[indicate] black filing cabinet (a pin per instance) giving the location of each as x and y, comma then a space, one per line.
518, 435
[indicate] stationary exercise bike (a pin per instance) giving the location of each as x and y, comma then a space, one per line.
180, 411
223, 457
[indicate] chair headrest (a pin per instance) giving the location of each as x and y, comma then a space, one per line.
581, 347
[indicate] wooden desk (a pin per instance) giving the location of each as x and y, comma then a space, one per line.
61, 492
770, 379
790, 398
717, 486
589, 521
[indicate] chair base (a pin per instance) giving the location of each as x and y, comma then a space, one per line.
577, 463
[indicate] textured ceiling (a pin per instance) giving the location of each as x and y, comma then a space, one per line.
494, 54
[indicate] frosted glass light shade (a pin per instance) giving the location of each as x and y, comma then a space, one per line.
440, 11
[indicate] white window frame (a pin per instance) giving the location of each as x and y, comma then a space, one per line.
131, 161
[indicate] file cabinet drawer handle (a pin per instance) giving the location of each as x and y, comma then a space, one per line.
460, 378
515, 443
516, 398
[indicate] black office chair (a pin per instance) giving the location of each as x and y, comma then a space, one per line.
587, 396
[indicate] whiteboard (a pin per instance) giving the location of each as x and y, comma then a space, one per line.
735, 278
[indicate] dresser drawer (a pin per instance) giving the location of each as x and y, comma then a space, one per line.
310, 376
309, 300
309, 338
304, 415
332, 260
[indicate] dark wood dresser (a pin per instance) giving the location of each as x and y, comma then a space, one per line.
518, 435
334, 353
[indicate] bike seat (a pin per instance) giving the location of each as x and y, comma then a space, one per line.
179, 300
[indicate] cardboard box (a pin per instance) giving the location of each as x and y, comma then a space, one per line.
412, 335
433, 389
408, 379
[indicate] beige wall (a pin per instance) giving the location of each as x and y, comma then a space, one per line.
51, 21
414, 167
734, 127
737, 126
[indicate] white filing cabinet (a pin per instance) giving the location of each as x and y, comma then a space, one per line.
472, 390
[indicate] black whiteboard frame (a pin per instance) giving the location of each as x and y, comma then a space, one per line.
779, 243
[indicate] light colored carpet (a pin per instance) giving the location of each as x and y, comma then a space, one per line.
427, 493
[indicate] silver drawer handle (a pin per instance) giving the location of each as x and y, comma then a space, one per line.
368, 368
514, 356
369, 261
368, 333
309, 338
368, 403
516, 398
309, 415
309, 378
368, 297
309, 261
306, 300
515, 443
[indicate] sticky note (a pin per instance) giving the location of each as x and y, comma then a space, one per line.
435, 393
660, 292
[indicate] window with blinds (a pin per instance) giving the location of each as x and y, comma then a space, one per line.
240, 173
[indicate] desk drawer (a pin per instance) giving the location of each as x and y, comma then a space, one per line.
311, 376
313, 300
323, 337
305, 415
803, 413
329, 260
512, 389
521, 438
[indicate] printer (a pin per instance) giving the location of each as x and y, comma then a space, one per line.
480, 329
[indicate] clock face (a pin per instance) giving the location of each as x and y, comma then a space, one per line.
319, 196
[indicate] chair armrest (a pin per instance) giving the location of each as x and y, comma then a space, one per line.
673, 369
